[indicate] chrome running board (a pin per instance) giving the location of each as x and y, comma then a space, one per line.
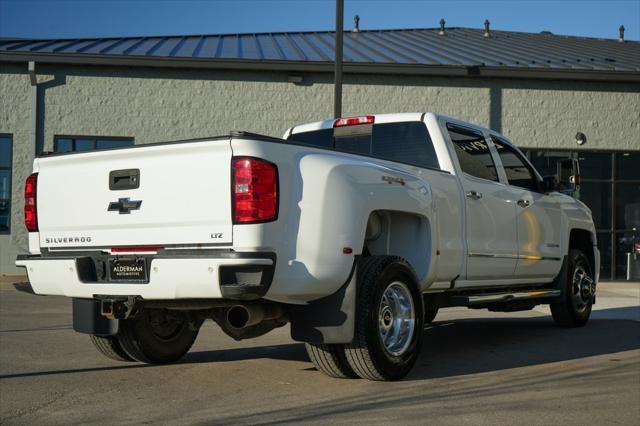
484, 299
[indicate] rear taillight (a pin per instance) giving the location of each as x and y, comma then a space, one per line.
254, 190
30, 203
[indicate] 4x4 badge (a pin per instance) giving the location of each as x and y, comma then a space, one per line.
124, 205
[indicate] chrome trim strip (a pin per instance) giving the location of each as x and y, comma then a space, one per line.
513, 256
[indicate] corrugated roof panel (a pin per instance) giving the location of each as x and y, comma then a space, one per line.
143, 47
165, 48
269, 48
323, 42
207, 47
228, 47
290, 51
250, 47
188, 47
121, 48
447, 48
314, 52
396, 54
459, 47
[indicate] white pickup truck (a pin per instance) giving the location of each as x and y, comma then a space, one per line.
355, 231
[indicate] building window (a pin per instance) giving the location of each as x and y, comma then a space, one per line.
89, 143
6, 155
610, 186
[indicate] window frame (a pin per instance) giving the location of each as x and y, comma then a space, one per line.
495, 140
10, 169
94, 139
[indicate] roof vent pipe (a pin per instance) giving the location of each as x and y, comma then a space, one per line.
356, 21
621, 29
486, 28
441, 32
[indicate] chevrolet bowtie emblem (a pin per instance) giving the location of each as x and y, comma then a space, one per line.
124, 205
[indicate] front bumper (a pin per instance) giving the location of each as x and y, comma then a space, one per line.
196, 274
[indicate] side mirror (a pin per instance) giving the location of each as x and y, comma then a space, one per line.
550, 183
568, 176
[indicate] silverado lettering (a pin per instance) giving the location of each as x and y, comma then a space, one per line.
58, 240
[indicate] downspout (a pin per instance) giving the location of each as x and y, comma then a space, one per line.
33, 131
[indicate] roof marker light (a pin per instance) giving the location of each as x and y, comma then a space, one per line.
354, 121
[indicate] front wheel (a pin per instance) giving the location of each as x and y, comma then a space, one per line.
574, 308
389, 320
158, 336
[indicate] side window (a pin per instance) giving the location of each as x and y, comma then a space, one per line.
473, 153
407, 142
518, 172
6, 153
73, 143
320, 138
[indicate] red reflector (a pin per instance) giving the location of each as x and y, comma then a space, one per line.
353, 121
136, 249
254, 190
31, 203
347, 250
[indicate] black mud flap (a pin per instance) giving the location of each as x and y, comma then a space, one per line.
561, 278
88, 319
327, 320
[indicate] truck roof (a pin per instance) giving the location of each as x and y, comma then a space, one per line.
388, 118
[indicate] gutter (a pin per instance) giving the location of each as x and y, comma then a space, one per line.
324, 67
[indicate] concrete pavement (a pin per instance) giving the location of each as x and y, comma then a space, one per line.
476, 368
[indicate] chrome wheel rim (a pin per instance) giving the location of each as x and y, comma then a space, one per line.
582, 288
396, 318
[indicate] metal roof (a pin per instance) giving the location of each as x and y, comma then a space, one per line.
415, 50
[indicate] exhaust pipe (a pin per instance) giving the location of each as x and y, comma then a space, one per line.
241, 316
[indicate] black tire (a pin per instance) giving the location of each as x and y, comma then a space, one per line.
330, 360
158, 336
110, 347
430, 315
574, 307
367, 354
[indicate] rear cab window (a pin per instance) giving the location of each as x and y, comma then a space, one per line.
402, 142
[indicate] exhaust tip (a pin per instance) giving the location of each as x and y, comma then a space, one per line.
238, 316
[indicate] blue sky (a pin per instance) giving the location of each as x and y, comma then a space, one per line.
104, 18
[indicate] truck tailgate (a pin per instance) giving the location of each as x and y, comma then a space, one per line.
183, 192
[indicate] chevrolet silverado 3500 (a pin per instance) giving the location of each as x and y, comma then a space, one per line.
355, 231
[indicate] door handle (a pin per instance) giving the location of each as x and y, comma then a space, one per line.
524, 203
474, 195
